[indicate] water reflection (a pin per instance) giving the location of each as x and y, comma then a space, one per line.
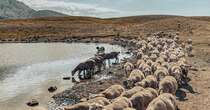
27, 70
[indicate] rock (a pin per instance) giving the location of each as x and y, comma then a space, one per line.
110, 72
66, 78
52, 89
203, 69
208, 61
193, 69
33, 103
83, 100
191, 55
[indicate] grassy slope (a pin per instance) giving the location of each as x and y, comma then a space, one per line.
194, 27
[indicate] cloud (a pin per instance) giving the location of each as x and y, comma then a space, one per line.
72, 8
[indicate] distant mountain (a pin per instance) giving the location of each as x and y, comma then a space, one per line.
46, 13
14, 9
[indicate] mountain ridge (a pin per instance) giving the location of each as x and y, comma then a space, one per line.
13, 9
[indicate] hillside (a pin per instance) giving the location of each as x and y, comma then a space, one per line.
67, 27
12, 9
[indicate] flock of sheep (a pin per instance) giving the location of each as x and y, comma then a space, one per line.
153, 77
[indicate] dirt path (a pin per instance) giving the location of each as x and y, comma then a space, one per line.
199, 97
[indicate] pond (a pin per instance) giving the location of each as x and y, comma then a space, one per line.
28, 70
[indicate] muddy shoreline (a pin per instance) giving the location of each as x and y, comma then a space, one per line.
101, 81
84, 89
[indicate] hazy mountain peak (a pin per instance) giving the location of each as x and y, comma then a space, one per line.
16, 9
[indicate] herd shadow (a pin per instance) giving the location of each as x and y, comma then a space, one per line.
181, 93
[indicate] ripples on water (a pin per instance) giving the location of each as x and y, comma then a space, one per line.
27, 70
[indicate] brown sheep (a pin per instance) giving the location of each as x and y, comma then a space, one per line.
129, 109
119, 103
149, 62
135, 76
139, 62
153, 57
139, 54
168, 85
149, 81
100, 100
141, 99
84, 106
163, 102
160, 73
128, 67
112, 92
146, 69
176, 72
154, 66
132, 91
152, 91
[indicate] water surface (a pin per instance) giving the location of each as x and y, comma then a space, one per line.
27, 70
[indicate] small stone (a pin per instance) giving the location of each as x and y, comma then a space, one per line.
66, 78
33, 103
83, 100
52, 89
203, 69
193, 69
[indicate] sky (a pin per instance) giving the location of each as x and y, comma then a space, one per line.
119, 8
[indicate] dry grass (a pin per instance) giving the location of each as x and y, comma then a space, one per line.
60, 27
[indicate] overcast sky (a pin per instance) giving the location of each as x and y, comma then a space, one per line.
116, 8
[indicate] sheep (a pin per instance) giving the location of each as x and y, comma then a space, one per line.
189, 41
176, 72
168, 85
129, 109
112, 92
149, 62
160, 60
154, 66
100, 100
135, 76
145, 57
119, 103
153, 91
163, 102
160, 73
132, 91
149, 81
139, 54
153, 57
173, 58
189, 49
139, 62
128, 67
146, 69
84, 106
141, 99
165, 64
